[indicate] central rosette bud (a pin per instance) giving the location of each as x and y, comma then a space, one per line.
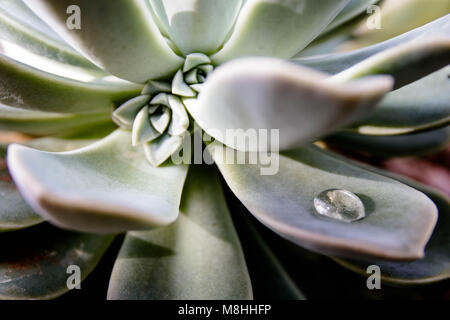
157, 117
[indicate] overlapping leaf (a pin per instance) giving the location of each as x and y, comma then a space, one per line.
106, 187
198, 257
398, 223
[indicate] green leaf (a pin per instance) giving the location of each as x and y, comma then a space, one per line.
34, 264
271, 282
55, 144
337, 62
198, 257
26, 87
160, 121
435, 266
46, 123
392, 146
126, 113
180, 119
120, 36
398, 223
352, 10
160, 149
329, 42
253, 94
156, 87
397, 17
277, 28
19, 25
105, 187
180, 88
14, 212
406, 62
194, 60
143, 130
196, 25
422, 105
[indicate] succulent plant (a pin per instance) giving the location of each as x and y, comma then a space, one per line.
109, 106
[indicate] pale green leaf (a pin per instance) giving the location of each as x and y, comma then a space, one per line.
392, 146
19, 25
108, 186
120, 36
337, 62
421, 105
14, 212
196, 25
46, 123
398, 223
198, 257
160, 149
277, 28
272, 281
26, 87
143, 130
435, 266
253, 94
406, 62
352, 10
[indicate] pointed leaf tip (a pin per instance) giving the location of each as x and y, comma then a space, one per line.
271, 94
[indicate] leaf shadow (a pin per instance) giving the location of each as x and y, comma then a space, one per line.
138, 248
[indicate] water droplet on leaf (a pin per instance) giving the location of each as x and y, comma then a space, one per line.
339, 204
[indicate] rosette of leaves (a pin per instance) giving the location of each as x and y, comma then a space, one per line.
109, 103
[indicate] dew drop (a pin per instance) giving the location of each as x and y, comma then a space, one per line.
339, 204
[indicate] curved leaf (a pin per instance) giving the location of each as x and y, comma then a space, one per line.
329, 42
271, 282
160, 149
19, 11
265, 94
110, 33
105, 187
14, 212
421, 105
435, 266
406, 62
197, 25
46, 123
398, 223
352, 10
198, 257
25, 87
337, 62
277, 28
391, 146
397, 17
54, 144
34, 264
18, 24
